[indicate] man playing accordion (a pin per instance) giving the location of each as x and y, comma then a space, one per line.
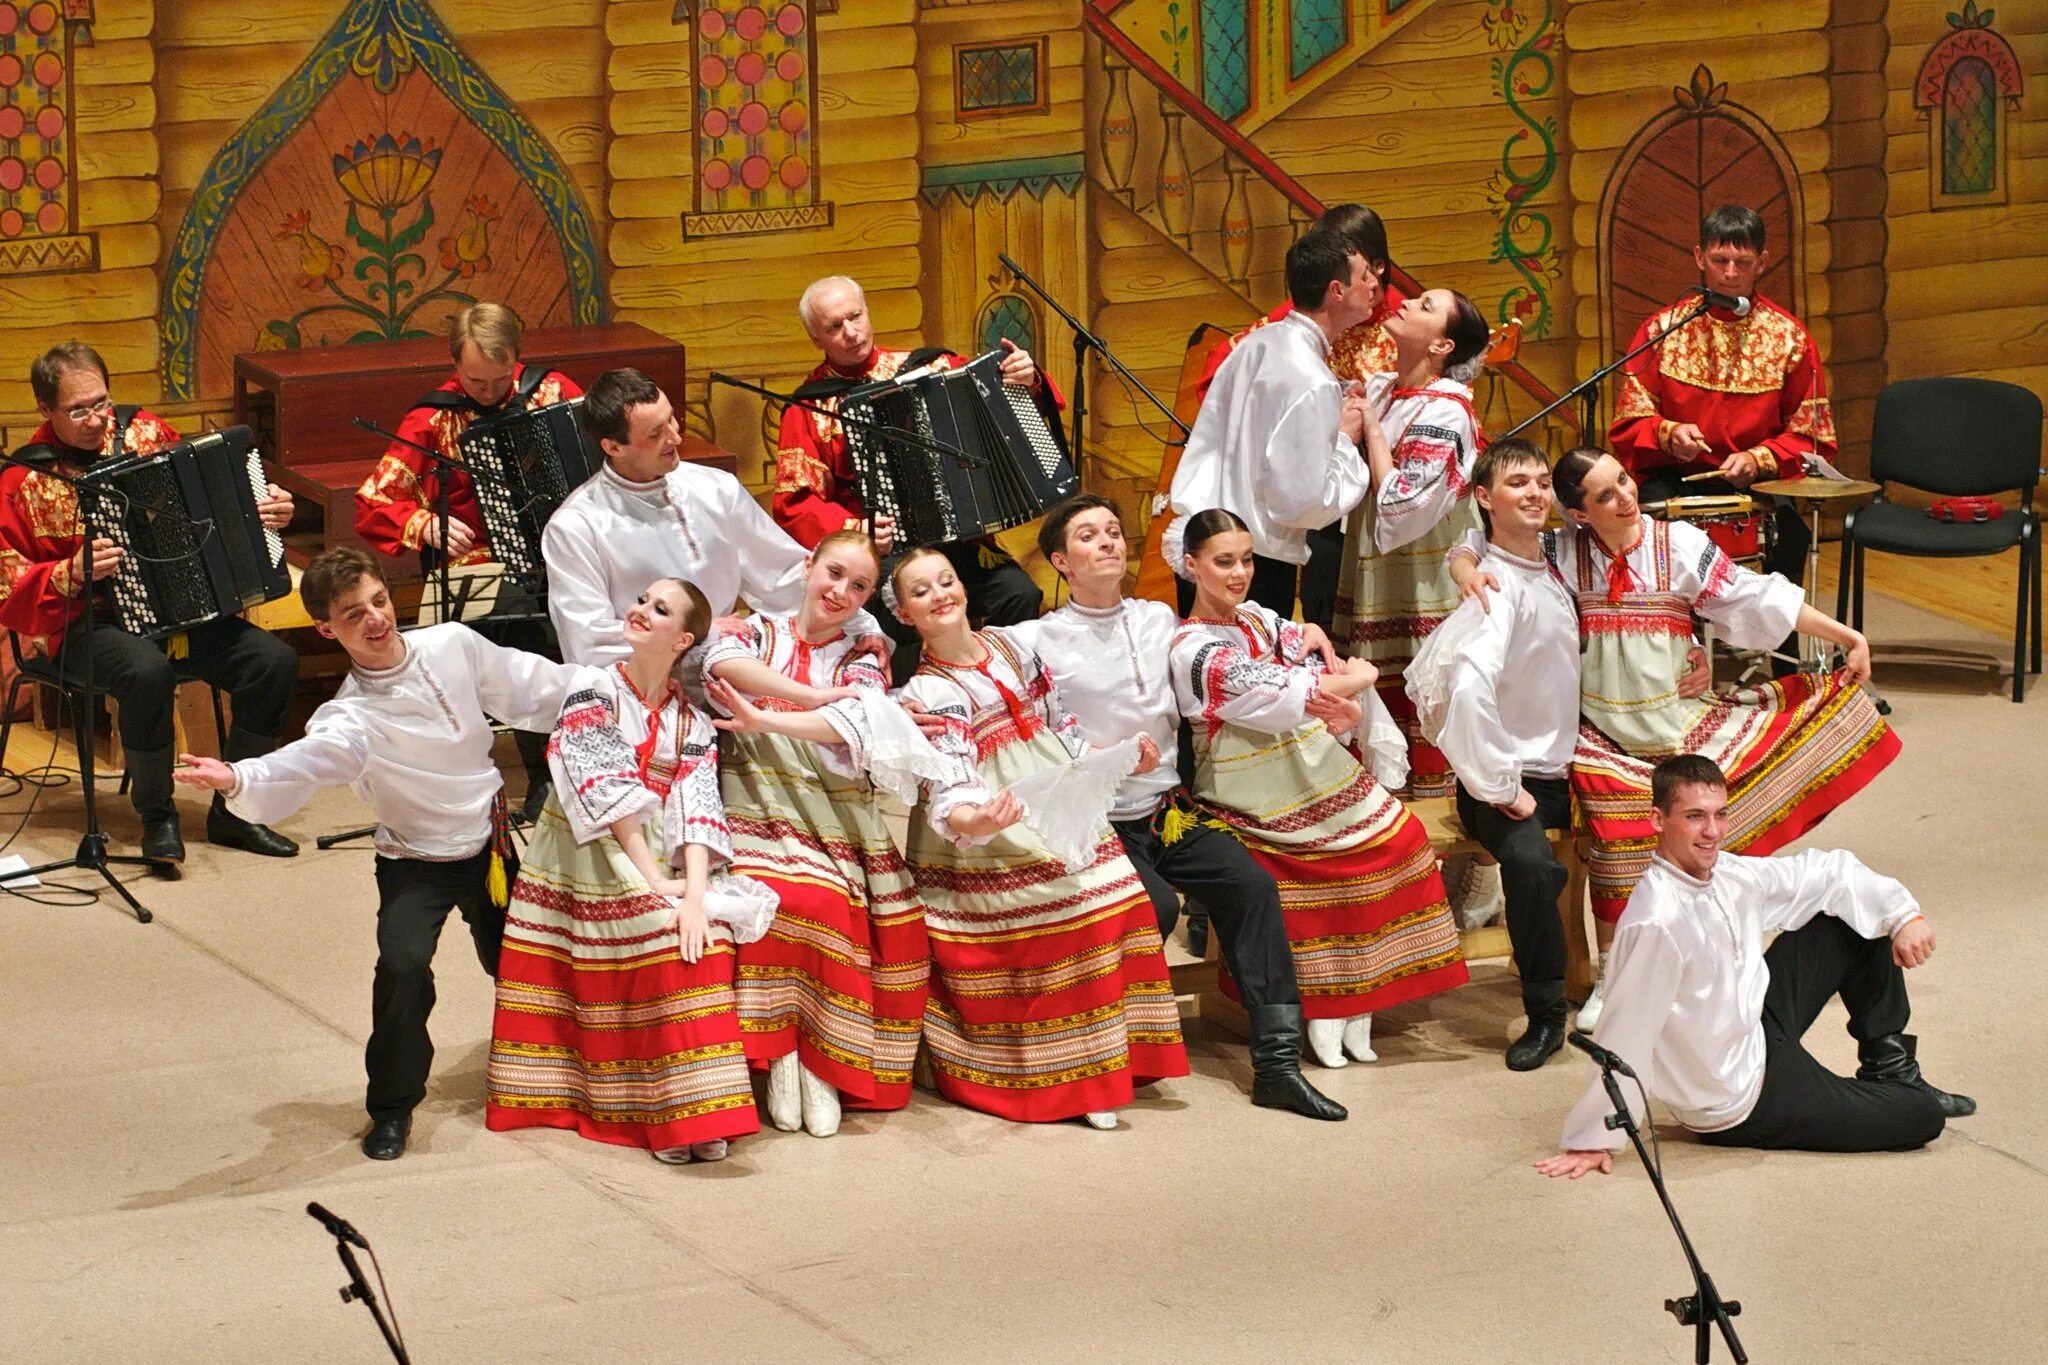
817, 488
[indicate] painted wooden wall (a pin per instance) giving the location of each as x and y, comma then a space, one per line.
1487, 131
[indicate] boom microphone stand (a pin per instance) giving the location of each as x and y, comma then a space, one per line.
92, 852
1587, 390
1704, 1309
1084, 342
358, 1290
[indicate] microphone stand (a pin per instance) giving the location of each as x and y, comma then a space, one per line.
1704, 1309
92, 855
1587, 389
1084, 342
358, 1290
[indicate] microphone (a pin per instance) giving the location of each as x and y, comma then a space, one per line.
337, 1225
1737, 304
1605, 1057
1009, 264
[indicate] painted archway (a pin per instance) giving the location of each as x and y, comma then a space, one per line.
385, 183
1701, 153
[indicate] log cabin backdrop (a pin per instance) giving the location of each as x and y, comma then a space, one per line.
182, 181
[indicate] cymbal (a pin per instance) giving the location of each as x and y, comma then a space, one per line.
1816, 490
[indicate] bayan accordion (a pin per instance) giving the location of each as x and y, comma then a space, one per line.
523, 463
194, 546
954, 454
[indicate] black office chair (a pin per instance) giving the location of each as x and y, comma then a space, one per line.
1954, 438
38, 668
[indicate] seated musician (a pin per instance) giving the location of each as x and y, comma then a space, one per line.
817, 490
1277, 440
1712, 1021
398, 507
1741, 395
647, 515
42, 568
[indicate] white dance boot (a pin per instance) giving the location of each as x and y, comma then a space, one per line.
1326, 1041
785, 1093
1102, 1120
1589, 1013
1358, 1038
820, 1102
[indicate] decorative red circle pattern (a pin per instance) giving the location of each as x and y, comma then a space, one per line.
10, 20
756, 113
12, 121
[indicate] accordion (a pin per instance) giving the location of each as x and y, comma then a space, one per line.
523, 463
194, 547
1010, 467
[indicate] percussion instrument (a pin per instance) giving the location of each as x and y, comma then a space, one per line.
1732, 521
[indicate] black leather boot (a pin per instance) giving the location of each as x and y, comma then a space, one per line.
1894, 1058
150, 789
1277, 1082
1544, 1003
224, 828
386, 1139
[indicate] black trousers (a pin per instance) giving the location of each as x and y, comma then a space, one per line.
1804, 1105
1531, 878
999, 593
252, 666
413, 901
1319, 575
1793, 537
1272, 587
1240, 896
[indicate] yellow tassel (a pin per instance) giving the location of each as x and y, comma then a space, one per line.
1174, 825
177, 647
494, 881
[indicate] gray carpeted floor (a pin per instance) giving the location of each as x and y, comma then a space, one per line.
177, 1092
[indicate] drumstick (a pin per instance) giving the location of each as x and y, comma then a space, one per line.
1702, 476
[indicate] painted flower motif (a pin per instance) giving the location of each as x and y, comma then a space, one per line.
387, 174
468, 250
319, 260
1504, 27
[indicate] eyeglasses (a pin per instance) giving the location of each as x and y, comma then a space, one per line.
99, 409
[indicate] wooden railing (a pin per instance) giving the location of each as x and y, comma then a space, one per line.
1230, 206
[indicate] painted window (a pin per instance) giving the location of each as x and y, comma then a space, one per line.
1008, 315
1315, 29
1004, 79
1226, 57
1969, 129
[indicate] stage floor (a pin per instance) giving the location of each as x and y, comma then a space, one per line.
179, 1091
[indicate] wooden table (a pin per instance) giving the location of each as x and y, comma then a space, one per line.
300, 402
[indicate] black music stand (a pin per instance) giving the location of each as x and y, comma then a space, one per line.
92, 852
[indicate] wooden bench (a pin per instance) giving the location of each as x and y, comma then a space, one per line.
1198, 977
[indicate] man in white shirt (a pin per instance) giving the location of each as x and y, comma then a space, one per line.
1712, 1023
1108, 658
1497, 690
1277, 438
647, 515
410, 731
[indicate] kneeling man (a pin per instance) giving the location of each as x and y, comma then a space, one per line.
1712, 1022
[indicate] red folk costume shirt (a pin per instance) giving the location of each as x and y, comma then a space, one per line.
817, 489
1750, 384
40, 530
398, 501
1358, 351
